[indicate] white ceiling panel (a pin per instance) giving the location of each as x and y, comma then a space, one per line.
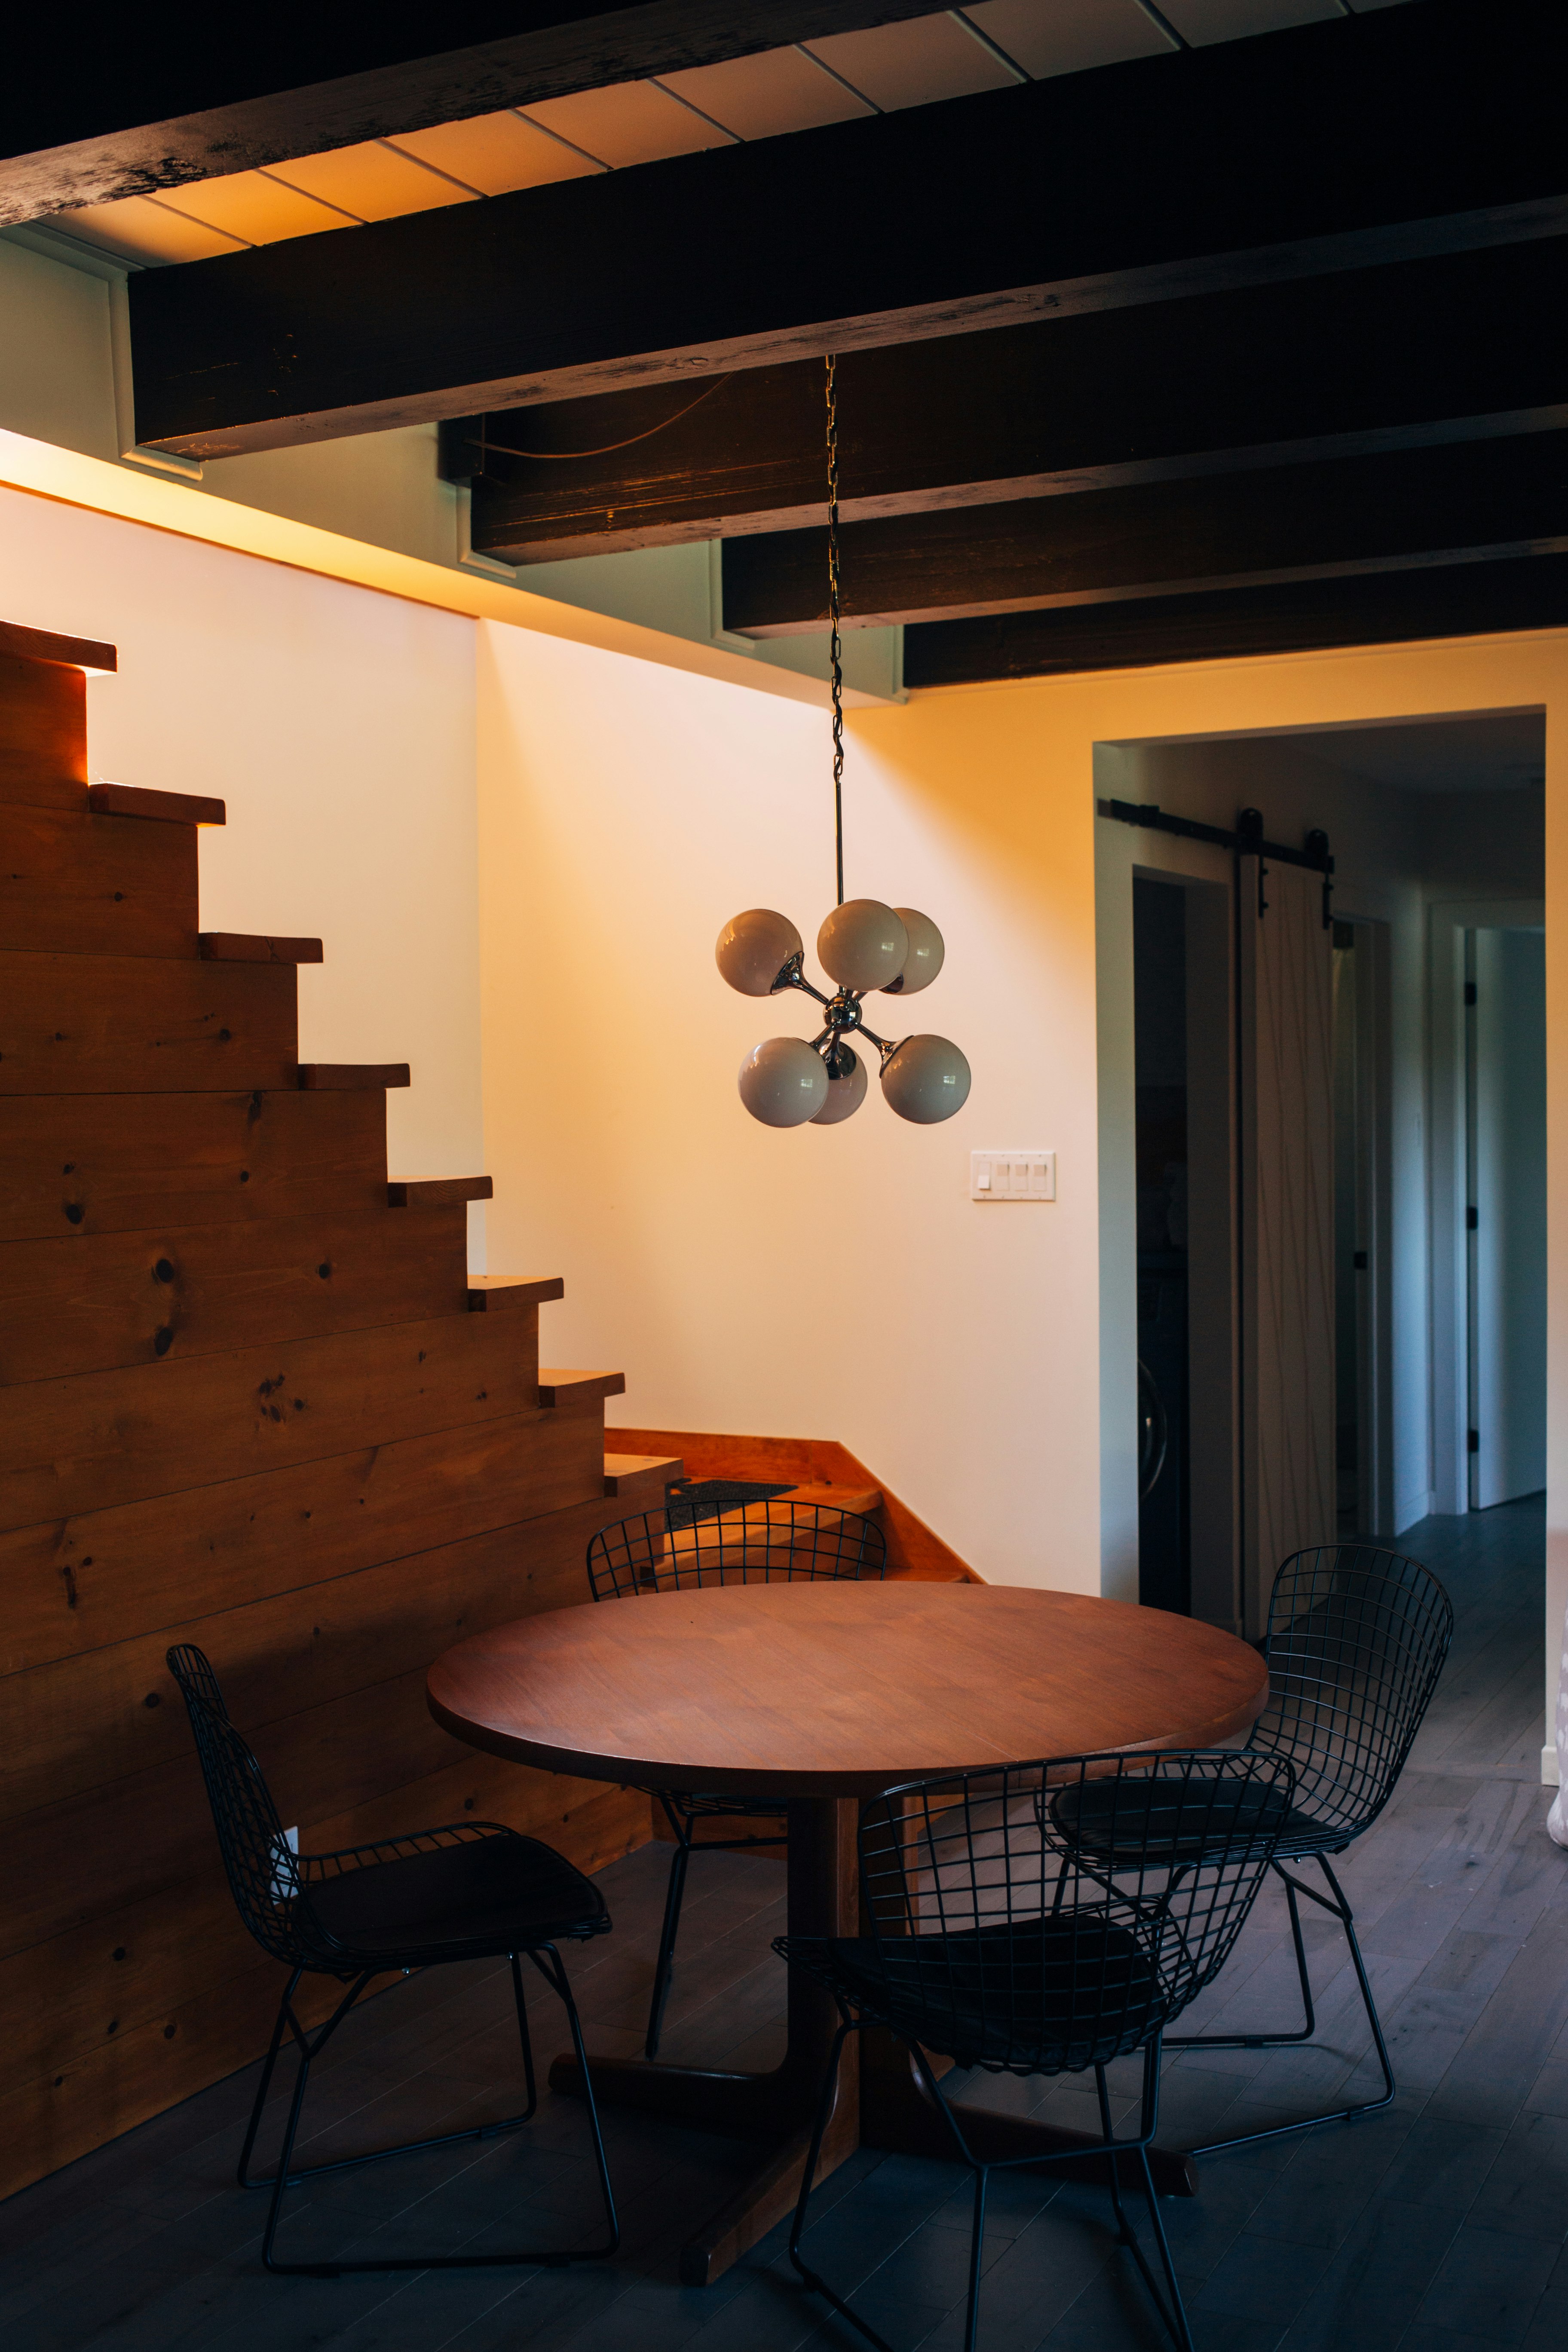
1203, 21
496, 152
139, 229
913, 63
761, 96
1057, 37
249, 204
371, 182
633, 122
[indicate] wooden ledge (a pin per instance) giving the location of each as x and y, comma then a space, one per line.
437, 1192
494, 1294
559, 1388
351, 1077
625, 1471
43, 646
863, 1500
168, 808
250, 947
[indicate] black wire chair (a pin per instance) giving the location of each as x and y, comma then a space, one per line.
1356, 1640
994, 1945
472, 1890
673, 1550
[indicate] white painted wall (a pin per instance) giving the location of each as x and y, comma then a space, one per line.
339, 727
835, 1283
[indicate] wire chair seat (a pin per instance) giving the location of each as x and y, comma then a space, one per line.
470, 1890
464, 1891
1085, 1821
1046, 1960
766, 1541
1045, 1997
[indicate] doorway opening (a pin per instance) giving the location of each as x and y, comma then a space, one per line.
1160, 1049
1505, 1219
1321, 1257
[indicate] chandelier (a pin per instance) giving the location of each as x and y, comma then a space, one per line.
863, 947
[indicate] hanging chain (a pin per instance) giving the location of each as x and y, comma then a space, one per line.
833, 648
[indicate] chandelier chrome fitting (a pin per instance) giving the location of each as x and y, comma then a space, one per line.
863, 946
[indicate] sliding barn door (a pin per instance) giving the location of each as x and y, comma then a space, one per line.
1286, 1223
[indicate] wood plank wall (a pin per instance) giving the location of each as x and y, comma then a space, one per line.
243, 1401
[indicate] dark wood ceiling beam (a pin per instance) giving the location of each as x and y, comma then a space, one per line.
1493, 499
1412, 129
1380, 608
133, 110
1411, 352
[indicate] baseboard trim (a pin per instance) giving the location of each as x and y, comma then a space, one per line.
1550, 1778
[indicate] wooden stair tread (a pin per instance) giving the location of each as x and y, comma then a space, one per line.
557, 1387
338, 1077
491, 1294
165, 808
250, 947
864, 1500
437, 1192
623, 1470
22, 644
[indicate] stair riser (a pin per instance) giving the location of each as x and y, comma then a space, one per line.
91, 1303
88, 1164
106, 1438
119, 1024
96, 885
43, 735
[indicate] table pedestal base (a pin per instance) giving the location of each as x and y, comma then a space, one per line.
879, 2104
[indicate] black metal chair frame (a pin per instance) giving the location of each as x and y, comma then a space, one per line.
634, 1557
271, 1886
1183, 1944
1348, 1757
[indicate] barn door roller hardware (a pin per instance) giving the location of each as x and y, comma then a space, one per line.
1246, 841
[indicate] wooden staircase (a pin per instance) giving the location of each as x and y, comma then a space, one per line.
250, 1397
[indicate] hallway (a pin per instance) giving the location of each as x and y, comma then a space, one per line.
1439, 2226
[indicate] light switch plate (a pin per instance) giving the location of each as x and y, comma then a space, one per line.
1017, 1175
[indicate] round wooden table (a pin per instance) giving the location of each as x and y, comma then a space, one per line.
820, 1695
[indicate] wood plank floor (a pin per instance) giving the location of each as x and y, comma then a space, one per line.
1439, 2226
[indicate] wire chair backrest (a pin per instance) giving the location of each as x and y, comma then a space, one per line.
1357, 1637
262, 1870
1010, 1943
755, 1543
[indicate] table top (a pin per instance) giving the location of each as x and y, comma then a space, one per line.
834, 1689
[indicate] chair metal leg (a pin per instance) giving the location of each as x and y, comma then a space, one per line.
814, 2279
1338, 1904
1167, 2300
977, 2253
264, 2084
664, 1965
1169, 2304
523, 2035
288, 2176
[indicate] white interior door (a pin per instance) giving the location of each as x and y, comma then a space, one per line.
1506, 1155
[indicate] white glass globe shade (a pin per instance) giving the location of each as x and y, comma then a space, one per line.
845, 1094
924, 959
782, 1082
753, 949
863, 945
926, 1079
